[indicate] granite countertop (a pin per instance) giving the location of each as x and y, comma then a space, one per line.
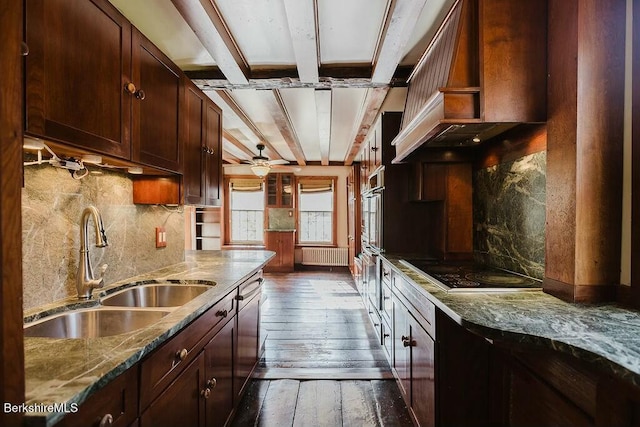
604, 334
69, 370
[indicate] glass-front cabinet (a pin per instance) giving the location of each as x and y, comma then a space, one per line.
280, 190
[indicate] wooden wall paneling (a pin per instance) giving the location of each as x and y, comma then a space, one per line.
635, 153
11, 339
584, 148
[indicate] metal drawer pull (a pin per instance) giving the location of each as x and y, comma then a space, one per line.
222, 313
250, 294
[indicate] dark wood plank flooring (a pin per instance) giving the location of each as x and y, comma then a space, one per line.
322, 365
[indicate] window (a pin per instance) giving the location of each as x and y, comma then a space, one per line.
316, 210
246, 207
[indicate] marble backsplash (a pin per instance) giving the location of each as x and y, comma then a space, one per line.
52, 203
509, 215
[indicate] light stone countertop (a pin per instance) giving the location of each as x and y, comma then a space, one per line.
69, 370
606, 335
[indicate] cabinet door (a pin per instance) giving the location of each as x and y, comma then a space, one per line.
156, 131
247, 351
272, 190
213, 153
194, 146
219, 376
183, 402
79, 61
286, 190
401, 352
422, 374
117, 401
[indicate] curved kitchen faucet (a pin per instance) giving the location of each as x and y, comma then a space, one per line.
85, 280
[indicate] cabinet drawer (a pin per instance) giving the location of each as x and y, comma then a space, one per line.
249, 289
165, 363
117, 401
423, 310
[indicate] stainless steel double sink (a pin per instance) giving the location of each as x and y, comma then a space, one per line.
123, 311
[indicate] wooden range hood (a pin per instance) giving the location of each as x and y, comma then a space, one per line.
484, 72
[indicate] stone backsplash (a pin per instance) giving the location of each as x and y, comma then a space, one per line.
52, 202
509, 215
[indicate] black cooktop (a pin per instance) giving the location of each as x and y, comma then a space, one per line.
469, 277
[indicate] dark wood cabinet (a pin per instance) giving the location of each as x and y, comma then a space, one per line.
202, 123
115, 405
94, 82
78, 64
353, 218
280, 191
450, 185
414, 358
213, 151
248, 342
283, 244
155, 130
218, 355
182, 402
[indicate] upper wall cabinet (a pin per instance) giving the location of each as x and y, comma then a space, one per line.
79, 61
202, 121
94, 82
155, 129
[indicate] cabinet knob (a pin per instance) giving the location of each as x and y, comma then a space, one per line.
182, 354
130, 88
212, 383
222, 313
206, 393
406, 342
106, 421
140, 94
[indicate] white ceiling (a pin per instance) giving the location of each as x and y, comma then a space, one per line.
304, 77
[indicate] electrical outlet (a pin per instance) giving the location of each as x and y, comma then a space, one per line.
161, 237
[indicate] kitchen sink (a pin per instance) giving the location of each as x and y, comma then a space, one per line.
93, 323
155, 295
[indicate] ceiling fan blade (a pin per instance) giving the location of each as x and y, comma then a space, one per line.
278, 162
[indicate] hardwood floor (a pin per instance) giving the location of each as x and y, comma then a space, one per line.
322, 365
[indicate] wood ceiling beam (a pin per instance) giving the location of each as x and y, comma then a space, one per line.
271, 152
207, 23
229, 158
302, 20
330, 77
371, 108
238, 144
400, 21
282, 119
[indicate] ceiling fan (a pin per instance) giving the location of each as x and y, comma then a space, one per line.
261, 165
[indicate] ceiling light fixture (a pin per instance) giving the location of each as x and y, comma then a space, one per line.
260, 170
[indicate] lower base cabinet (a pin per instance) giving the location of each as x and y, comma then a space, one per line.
182, 403
414, 363
196, 378
248, 344
219, 354
115, 405
450, 376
